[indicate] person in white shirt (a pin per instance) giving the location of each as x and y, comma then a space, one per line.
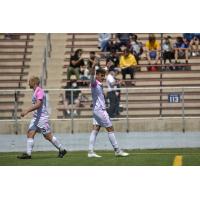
112, 94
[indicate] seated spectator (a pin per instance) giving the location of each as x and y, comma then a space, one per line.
122, 39
136, 47
181, 47
91, 59
76, 61
126, 63
188, 36
76, 98
152, 50
113, 94
168, 53
104, 41
85, 69
85, 75
114, 45
112, 60
194, 44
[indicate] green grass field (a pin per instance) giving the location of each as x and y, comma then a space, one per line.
164, 157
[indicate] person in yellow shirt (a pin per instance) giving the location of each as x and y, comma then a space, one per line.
152, 49
127, 63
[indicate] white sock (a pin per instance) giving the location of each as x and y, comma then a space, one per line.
113, 140
92, 140
56, 143
30, 143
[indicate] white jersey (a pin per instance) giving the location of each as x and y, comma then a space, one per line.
97, 94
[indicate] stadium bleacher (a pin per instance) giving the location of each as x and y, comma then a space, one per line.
149, 104
15, 67
15, 55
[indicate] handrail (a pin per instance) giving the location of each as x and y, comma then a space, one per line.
49, 46
46, 55
86, 89
180, 90
43, 77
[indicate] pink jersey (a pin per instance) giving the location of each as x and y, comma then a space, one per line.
40, 113
97, 94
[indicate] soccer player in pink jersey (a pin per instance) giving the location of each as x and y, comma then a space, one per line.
40, 120
100, 115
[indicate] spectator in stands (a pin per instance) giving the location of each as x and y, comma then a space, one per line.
113, 93
84, 73
181, 49
76, 61
168, 53
194, 44
194, 39
136, 47
188, 36
114, 45
112, 60
91, 59
123, 39
127, 62
77, 95
152, 49
104, 41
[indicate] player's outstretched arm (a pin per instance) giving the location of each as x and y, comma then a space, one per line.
37, 105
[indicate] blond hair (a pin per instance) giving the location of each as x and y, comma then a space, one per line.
35, 80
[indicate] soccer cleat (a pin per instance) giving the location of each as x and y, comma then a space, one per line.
121, 153
93, 155
24, 156
62, 153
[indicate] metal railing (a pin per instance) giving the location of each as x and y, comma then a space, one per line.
44, 74
126, 94
49, 46
46, 56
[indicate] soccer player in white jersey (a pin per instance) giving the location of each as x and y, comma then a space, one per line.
40, 120
100, 115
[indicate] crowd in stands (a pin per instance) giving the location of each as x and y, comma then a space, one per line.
122, 53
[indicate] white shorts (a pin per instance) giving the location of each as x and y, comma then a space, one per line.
101, 118
41, 126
